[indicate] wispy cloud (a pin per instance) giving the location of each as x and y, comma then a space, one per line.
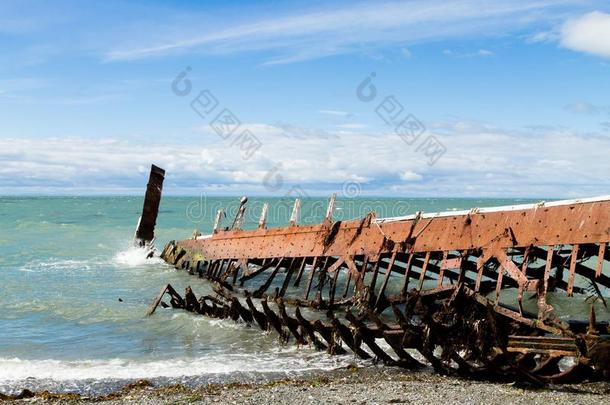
306, 34
406, 52
60, 100
335, 113
543, 36
351, 125
583, 107
480, 53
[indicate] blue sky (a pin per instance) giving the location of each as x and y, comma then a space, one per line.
510, 98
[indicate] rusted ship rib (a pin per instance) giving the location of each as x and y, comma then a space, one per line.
472, 292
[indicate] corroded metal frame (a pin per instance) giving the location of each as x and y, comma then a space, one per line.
374, 265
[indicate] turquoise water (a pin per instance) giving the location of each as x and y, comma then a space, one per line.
73, 294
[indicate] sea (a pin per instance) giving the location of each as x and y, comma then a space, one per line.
74, 294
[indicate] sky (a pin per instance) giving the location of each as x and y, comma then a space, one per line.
432, 98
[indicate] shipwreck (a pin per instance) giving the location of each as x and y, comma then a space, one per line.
464, 292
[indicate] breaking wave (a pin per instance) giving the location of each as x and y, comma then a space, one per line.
18, 369
135, 257
108, 375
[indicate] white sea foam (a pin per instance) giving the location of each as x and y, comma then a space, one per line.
57, 264
15, 369
135, 257
130, 257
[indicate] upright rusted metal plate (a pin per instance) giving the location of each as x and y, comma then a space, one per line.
146, 227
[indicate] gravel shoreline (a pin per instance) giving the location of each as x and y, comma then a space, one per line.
368, 385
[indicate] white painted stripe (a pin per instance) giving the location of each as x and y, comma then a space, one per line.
506, 208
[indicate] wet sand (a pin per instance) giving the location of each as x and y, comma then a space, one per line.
361, 386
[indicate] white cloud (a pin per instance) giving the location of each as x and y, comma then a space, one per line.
523, 164
589, 33
410, 175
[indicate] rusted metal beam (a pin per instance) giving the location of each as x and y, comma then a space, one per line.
263, 218
600, 259
423, 271
520, 228
407, 275
296, 210
384, 285
220, 215
311, 274
573, 260
553, 346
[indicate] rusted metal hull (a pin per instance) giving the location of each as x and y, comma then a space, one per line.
421, 282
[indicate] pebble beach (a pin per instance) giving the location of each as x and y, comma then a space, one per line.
369, 385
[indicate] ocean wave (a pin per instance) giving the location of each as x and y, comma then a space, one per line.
16, 369
52, 264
